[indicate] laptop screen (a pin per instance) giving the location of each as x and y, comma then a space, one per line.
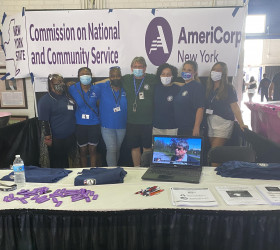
177, 150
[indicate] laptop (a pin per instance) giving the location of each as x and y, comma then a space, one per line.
175, 159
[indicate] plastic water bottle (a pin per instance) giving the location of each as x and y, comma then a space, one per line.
19, 174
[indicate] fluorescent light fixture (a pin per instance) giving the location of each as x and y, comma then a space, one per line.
253, 50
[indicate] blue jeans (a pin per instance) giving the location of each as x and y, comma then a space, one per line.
113, 139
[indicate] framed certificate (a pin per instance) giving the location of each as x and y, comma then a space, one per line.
13, 94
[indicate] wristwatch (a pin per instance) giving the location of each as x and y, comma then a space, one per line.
7, 188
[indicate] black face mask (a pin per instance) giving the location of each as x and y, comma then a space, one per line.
59, 88
116, 82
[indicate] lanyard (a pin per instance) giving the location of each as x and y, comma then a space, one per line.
136, 92
214, 95
82, 95
82, 91
119, 97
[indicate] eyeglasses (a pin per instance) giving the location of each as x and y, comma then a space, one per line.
179, 148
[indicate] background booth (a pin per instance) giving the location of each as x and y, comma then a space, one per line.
265, 119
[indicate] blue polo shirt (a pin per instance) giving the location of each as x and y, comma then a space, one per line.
222, 108
190, 97
60, 112
110, 100
164, 117
84, 114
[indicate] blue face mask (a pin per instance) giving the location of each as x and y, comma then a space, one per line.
187, 76
85, 79
138, 72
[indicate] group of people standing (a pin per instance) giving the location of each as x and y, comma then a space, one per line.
137, 106
268, 89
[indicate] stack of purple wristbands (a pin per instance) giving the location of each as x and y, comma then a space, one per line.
43, 194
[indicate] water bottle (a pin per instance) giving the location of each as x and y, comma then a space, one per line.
19, 174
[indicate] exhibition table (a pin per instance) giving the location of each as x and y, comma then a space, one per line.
120, 219
265, 119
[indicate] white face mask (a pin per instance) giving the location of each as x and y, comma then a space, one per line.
165, 80
216, 76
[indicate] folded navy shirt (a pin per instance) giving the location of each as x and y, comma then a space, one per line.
98, 176
40, 175
240, 169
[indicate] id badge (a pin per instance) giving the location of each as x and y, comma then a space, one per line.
117, 109
70, 107
84, 116
141, 95
209, 111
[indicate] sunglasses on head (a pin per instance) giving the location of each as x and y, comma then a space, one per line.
114, 67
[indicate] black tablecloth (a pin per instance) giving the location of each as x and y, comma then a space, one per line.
141, 229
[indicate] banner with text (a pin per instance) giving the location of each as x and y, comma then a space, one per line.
44, 42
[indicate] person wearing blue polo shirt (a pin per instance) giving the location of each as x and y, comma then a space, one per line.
165, 92
113, 114
56, 113
87, 117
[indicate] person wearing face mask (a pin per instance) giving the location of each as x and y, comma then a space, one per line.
139, 88
165, 91
87, 116
221, 106
56, 113
113, 114
189, 102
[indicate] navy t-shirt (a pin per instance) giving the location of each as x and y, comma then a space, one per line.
60, 112
164, 117
190, 97
108, 102
222, 108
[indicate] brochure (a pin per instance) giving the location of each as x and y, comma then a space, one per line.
271, 193
193, 197
240, 195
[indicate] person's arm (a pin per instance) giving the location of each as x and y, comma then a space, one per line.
237, 113
179, 83
45, 127
198, 120
102, 81
260, 86
44, 114
270, 90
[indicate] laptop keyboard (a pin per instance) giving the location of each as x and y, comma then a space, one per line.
169, 171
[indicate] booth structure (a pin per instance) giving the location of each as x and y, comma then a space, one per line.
265, 119
122, 220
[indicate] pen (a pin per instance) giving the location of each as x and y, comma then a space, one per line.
156, 192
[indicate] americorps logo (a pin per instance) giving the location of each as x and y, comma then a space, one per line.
158, 41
